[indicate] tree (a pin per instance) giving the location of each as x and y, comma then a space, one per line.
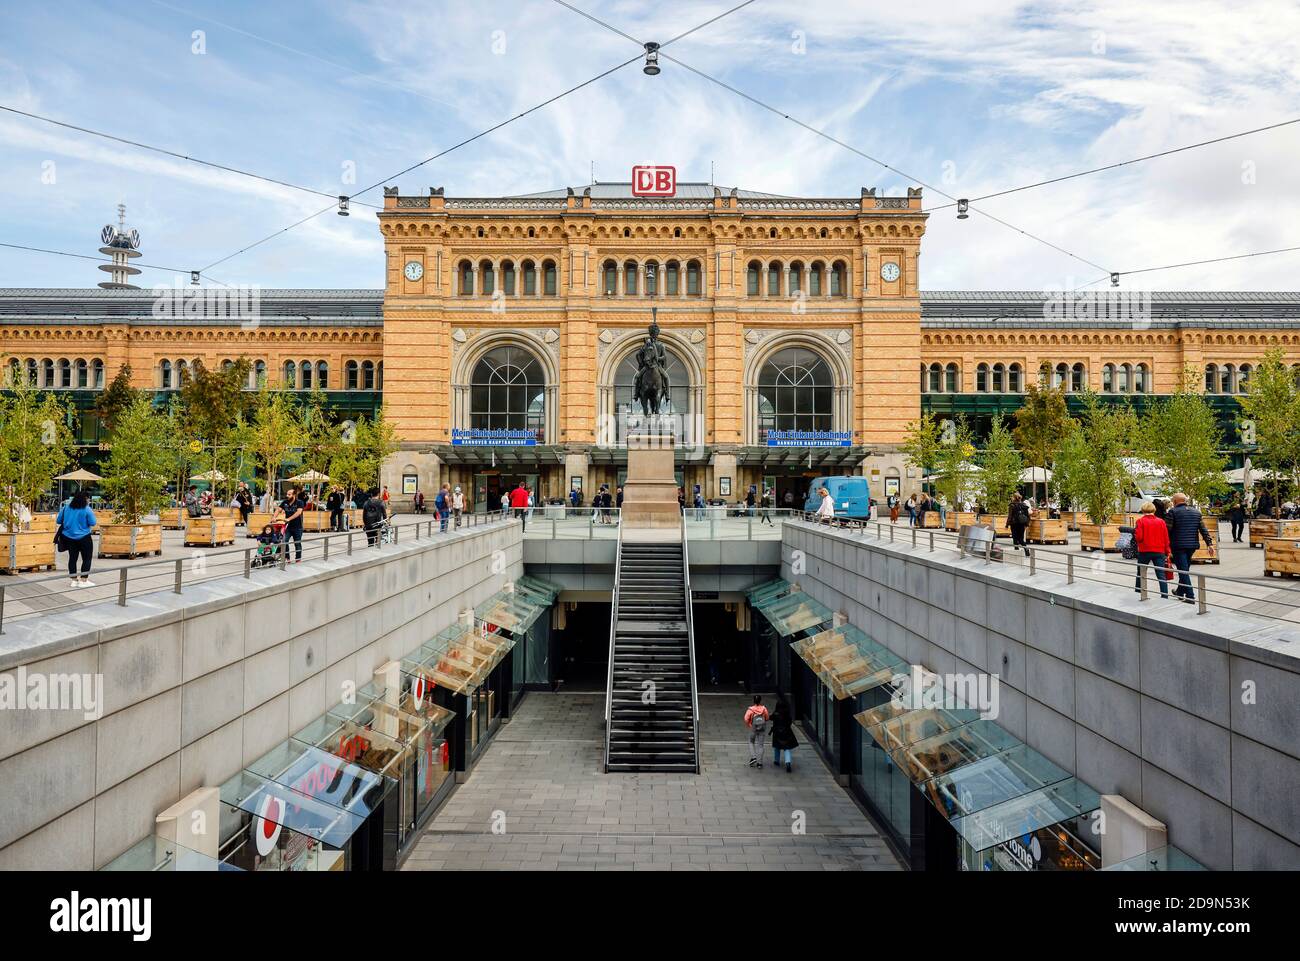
921, 444
362, 450
1069, 467
35, 445
274, 431
953, 470
1272, 405
321, 436
116, 398
139, 462
1002, 465
213, 401
1041, 425
182, 454
1106, 436
1180, 435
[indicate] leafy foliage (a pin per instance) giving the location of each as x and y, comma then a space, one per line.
139, 462
1093, 466
274, 431
1180, 435
1041, 425
921, 445
1273, 404
35, 445
954, 471
1002, 465
115, 398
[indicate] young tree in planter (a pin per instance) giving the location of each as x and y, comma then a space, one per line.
1181, 436
921, 444
213, 401
1002, 465
35, 445
274, 431
1041, 425
361, 451
139, 462
1272, 403
115, 398
953, 470
1107, 433
1068, 468
321, 436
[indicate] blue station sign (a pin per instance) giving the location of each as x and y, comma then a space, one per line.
479, 437
809, 438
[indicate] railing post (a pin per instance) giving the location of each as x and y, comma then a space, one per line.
248, 562
988, 551
326, 549
913, 536
891, 533
121, 586
349, 543
1033, 562
931, 542
180, 569
1069, 568
1142, 580
2, 608
284, 554
749, 531
1201, 602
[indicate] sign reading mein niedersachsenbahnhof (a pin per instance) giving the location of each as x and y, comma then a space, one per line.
809, 438
479, 437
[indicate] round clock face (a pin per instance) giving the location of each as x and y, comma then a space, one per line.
414, 270
889, 271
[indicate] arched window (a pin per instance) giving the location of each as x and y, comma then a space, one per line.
774, 279
1060, 375
466, 279
951, 379
508, 278
367, 375
323, 375
290, 375
1078, 378
679, 394
796, 279
629, 278
1108, 378
47, 373
611, 278
752, 274
652, 278
487, 278
33, 371
65, 374
839, 279
15, 371
259, 374
83, 373
1124, 380
304, 375
815, 279
1243, 378
350, 378
982, 378
1015, 379
97, 374
672, 278
693, 278
796, 391
227, 364
1211, 379
508, 391
1226, 378
550, 278
530, 278
164, 375
934, 382
1140, 379
999, 379
379, 376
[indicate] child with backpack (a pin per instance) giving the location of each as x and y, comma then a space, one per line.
756, 718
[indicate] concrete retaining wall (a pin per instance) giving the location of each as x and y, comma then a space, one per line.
1195, 718
198, 685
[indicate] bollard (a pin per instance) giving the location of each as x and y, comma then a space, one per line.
1033, 562
349, 543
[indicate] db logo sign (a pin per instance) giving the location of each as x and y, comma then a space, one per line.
654, 181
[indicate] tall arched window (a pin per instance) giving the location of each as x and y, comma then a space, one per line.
305, 370
487, 278
466, 279
508, 278
1078, 378
508, 391
259, 374
815, 280
693, 278
351, 380
1108, 378
672, 279
1226, 378
1060, 375
774, 279
290, 375
323, 375
629, 278
999, 379
796, 391
752, 274
679, 394
83, 373
611, 278
65, 374
367, 375
1015, 379
1124, 381
34, 371
1243, 378
982, 378
934, 382
379, 376
839, 279
952, 379
796, 279
1140, 379
97, 374
1211, 379
164, 375
530, 278
47, 373
550, 278
652, 278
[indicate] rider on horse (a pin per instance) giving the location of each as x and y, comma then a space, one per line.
652, 364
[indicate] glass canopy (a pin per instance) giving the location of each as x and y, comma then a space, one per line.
459, 658
1025, 814
275, 804
769, 590
1167, 858
794, 612
950, 749
992, 780
156, 853
321, 775
848, 661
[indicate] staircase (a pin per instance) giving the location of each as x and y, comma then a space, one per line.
651, 641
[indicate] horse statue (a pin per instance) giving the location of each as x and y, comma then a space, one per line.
651, 385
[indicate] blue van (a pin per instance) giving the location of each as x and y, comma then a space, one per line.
851, 495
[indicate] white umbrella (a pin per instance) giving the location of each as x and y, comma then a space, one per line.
310, 477
1035, 475
212, 477
80, 474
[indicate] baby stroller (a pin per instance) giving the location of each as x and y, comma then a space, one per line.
268, 547
386, 533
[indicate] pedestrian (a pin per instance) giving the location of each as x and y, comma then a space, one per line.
756, 718
697, 501
1237, 515
384, 498
335, 504
750, 497
519, 504
1152, 537
826, 509
75, 524
244, 501
604, 502
442, 506
293, 508
1018, 514
418, 502
1183, 542
911, 510
618, 500
372, 516
457, 504
575, 498
783, 740
893, 508
766, 513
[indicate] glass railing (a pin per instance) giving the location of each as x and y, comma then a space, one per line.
731, 522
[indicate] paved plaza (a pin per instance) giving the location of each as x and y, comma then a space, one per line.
539, 783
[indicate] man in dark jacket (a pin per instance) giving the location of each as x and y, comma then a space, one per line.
335, 504
372, 516
1186, 529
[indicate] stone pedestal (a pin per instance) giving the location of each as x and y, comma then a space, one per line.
650, 491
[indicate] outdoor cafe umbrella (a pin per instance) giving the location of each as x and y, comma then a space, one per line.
1035, 475
80, 475
212, 476
310, 477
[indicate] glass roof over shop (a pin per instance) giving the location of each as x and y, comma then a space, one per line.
520, 605
276, 804
793, 612
1167, 858
1028, 813
991, 780
156, 853
937, 755
768, 590
321, 775
848, 661
459, 658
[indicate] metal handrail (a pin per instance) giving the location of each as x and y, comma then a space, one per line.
1069, 566
690, 641
159, 574
613, 628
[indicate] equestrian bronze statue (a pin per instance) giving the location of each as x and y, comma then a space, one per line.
651, 385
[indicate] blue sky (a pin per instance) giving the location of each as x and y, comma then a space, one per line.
969, 97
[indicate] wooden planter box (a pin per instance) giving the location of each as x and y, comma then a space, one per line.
1047, 531
931, 519
316, 521
226, 513
998, 522
959, 519
43, 522
1264, 529
172, 519
129, 540
1281, 557
1202, 555
256, 521
1073, 519
1098, 537
27, 551
209, 531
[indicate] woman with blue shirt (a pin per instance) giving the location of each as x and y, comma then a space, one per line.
75, 522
